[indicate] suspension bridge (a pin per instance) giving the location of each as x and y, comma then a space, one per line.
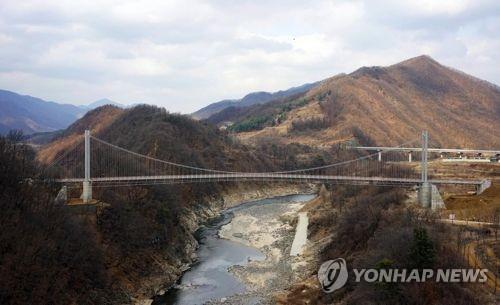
97, 163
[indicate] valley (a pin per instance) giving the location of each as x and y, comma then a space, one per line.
185, 211
251, 276
204, 152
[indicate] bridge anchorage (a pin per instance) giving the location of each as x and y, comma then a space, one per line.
106, 165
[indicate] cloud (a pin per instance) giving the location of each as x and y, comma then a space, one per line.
184, 54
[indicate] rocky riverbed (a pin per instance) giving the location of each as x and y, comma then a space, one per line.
164, 279
269, 227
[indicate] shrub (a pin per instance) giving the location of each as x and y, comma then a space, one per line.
422, 253
310, 124
254, 123
47, 256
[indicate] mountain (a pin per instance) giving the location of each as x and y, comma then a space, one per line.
95, 120
153, 131
102, 102
31, 114
168, 213
383, 106
250, 99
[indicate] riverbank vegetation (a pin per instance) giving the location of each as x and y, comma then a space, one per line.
256, 117
47, 256
140, 240
372, 227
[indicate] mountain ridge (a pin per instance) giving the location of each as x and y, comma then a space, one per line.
31, 114
35, 115
388, 105
102, 102
253, 98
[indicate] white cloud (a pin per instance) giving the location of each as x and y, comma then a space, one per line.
184, 54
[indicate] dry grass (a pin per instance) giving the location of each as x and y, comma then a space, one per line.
458, 200
392, 105
49, 152
95, 120
481, 207
312, 110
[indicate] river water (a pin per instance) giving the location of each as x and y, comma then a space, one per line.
209, 278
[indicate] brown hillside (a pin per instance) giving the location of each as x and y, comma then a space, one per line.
391, 105
96, 120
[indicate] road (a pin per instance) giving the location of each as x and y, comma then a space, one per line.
475, 262
300, 235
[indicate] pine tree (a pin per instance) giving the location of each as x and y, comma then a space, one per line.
422, 250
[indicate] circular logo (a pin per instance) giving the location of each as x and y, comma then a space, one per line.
333, 275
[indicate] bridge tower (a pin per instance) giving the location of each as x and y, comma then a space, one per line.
425, 189
87, 184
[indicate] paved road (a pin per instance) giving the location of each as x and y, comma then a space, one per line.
300, 235
467, 223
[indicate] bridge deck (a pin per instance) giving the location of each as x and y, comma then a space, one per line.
418, 149
266, 176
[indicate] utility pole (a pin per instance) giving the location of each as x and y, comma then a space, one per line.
425, 191
87, 186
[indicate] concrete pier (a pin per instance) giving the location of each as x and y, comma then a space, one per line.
425, 190
437, 201
485, 184
87, 185
87, 192
425, 195
62, 196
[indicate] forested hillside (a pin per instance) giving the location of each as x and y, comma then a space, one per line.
390, 105
146, 233
375, 227
47, 256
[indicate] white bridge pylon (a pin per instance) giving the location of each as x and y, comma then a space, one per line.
94, 162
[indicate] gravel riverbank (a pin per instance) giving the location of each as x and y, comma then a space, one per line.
271, 229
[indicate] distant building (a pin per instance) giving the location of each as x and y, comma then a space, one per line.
225, 125
495, 158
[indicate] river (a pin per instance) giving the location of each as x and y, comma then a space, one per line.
210, 278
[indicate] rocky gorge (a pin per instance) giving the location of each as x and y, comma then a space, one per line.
164, 279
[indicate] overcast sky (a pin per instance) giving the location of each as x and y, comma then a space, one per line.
186, 54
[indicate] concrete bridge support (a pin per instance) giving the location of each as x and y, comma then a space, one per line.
87, 185
87, 192
425, 190
483, 186
62, 196
409, 157
437, 201
379, 156
425, 195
